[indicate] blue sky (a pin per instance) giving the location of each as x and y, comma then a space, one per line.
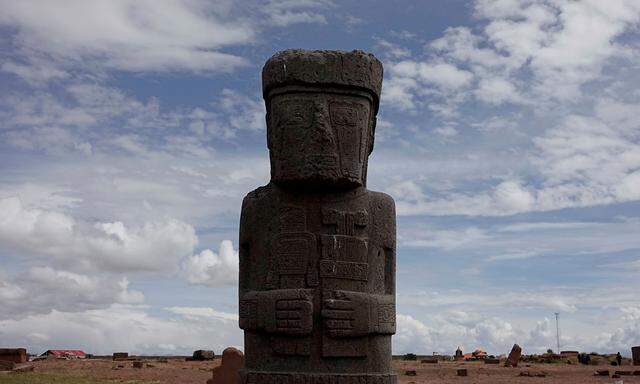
508, 135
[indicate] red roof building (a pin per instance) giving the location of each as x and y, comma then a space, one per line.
65, 353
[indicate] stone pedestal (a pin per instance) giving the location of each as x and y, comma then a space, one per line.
317, 249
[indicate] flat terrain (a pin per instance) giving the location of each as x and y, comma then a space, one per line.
176, 371
442, 373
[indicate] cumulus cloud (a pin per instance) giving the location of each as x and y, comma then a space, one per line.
43, 289
211, 269
83, 245
282, 13
86, 118
130, 35
493, 335
524, 53
122, 328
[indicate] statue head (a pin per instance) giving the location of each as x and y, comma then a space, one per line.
321, 116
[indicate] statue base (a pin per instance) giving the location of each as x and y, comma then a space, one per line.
261, 377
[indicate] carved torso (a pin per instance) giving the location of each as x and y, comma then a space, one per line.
317, 250
329, 256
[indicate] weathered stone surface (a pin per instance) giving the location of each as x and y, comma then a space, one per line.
120, 355
317, 249
491, 361
138, 364
227, 372
635, 353
514, 356
202, 355
462, 372
602, 372
17, 355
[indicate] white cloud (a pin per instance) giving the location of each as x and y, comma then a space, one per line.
129, 35
99, 245
493, 335
42, 289
524, 52
497, 91
121, 328
283, 13
213, 269
202, 312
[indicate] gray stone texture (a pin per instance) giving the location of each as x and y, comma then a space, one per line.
317, 249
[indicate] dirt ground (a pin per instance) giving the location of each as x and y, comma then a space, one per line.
176, 371
480, 373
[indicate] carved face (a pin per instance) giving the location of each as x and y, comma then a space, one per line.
319, 139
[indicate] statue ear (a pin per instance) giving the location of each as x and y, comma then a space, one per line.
372, 133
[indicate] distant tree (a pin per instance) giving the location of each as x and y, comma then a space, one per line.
549, 351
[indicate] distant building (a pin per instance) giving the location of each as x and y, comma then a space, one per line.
65, 353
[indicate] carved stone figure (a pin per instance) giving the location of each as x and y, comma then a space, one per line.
317, 249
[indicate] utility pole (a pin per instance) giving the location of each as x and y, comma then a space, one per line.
557, 332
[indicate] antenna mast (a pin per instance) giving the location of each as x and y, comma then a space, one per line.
558, 332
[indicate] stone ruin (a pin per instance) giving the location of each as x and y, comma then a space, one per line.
14, 360
227, 371
514, 356
317, 249
15, 355
635, 355
203, 355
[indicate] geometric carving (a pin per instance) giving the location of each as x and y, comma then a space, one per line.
345, 120
346, 222
317, 249
344, 270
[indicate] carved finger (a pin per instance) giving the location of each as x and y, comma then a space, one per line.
340, 333
338, 304
338, 324
290, 304
289, 324
280, 314
340, 315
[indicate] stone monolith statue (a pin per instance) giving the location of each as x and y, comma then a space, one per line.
317, 249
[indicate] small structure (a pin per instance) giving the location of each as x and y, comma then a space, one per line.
227, 372
65, 353
458, 355
635, 353
16, 355
410, 357
120, 355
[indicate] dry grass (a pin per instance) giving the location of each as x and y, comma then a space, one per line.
60, 378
